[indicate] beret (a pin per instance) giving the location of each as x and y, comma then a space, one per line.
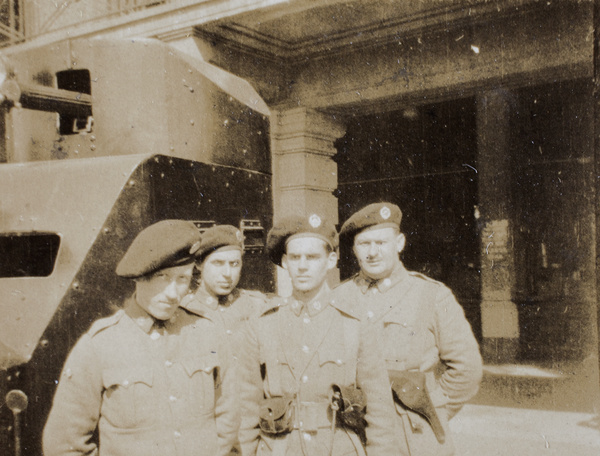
371, 215
220, 236
162, 245
312, 225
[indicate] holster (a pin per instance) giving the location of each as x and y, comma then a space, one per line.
351, 405
410, 390
276, 415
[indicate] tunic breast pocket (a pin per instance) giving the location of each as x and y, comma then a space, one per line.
399, 339
278, 377
203, 372
128, 397
335, 365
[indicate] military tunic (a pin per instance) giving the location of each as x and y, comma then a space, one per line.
229, 311
145, 389
301, 350
422, 328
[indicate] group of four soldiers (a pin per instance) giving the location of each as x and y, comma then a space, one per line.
376, 366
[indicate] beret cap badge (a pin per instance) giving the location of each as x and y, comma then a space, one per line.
385, 212
314, 220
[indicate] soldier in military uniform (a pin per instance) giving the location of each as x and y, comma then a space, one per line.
432, 357
304, 358
219, 260
152, 379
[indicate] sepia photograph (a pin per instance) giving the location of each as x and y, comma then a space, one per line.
299, 227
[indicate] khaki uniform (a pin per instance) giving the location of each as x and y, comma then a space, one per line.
230, 312
422, 328
145, 389
300, 351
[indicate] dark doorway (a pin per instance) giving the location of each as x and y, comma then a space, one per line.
424, 159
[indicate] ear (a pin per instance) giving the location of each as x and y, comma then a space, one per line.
284, 263
332, 259
400, 242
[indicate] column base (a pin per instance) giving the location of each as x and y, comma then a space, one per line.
500, 350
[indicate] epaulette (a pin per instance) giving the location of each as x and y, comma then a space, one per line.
422, 276
104, 323
187, 299
271, 306
347, 307
196, 311
254, 294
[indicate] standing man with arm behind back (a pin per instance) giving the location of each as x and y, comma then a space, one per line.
218, 298
432, 357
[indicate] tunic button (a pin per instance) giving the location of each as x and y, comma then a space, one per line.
295, 305
154, 335
306, 320
177, 434
317, 305
387, 282
222, 309
229, 331
304, 379
370, 314
307, 436
126, 383
338, 362
168, 363
172, 398
305, 348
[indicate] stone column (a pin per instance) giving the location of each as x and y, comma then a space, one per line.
304, 173
499, 316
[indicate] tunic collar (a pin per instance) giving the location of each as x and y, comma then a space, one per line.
312, 307
140, 317
365, 283
204, 304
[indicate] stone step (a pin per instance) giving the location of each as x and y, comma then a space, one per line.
535, 387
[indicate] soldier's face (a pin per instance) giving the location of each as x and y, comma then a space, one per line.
308, 260
220, 272
160, 293
377, 251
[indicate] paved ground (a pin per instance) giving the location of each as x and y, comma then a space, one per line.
483, 430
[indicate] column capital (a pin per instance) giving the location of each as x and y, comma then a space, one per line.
305, 130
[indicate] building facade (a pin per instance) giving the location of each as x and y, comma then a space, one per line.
477, 118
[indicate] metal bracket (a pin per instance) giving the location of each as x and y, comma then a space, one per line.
254, 236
